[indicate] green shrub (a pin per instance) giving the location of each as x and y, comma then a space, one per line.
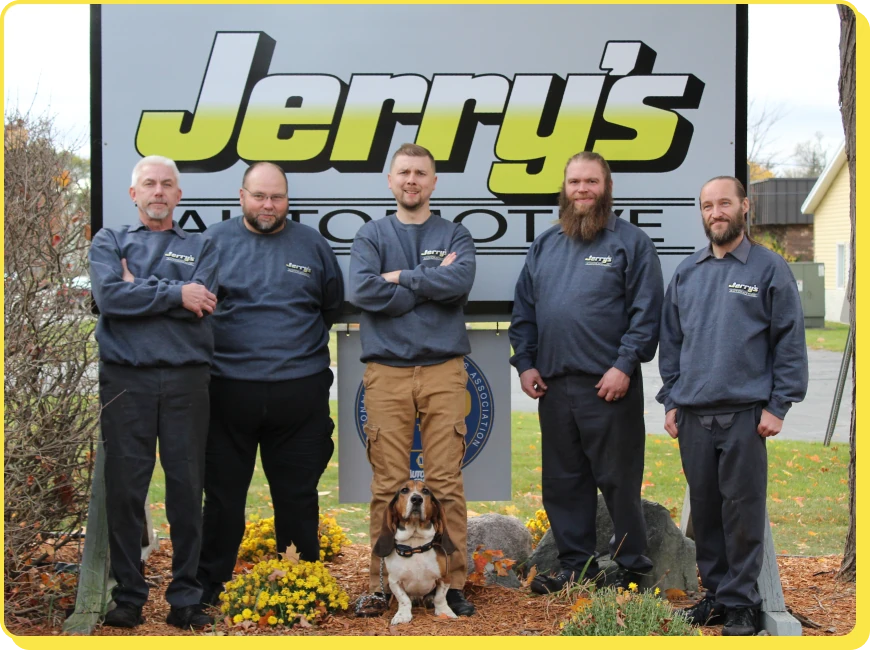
614, 612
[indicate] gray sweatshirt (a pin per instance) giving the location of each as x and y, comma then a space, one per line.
419, 321
278, 295
733, 333
142, 323
586, 307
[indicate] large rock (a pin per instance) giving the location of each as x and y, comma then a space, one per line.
498, 533
672, 553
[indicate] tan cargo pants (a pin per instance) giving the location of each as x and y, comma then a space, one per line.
393, 398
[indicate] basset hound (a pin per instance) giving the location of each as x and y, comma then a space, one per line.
414, 544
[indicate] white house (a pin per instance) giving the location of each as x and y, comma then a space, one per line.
828, 201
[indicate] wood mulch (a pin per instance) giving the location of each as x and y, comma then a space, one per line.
825, 607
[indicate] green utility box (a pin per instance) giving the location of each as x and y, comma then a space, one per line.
810, 278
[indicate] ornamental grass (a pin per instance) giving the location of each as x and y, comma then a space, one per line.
259, 544
277, 593
618, 612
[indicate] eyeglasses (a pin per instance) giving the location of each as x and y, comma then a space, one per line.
261, 198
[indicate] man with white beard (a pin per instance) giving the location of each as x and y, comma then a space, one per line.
586, 314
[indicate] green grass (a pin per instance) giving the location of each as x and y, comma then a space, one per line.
807, 487
831, 337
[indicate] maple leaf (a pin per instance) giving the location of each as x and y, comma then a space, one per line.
290, 555
480, 562
502, 566
303, 622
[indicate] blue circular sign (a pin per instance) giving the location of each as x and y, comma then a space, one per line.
478, 420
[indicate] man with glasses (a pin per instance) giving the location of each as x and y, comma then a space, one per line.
280, 290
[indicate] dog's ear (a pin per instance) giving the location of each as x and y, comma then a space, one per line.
439, 521
387, 539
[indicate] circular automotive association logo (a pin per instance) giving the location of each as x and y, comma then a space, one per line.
478, 420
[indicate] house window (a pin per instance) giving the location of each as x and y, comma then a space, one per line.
842, 265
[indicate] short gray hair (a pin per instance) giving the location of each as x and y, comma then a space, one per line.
154, 160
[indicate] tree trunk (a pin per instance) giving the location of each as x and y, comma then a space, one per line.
848, 29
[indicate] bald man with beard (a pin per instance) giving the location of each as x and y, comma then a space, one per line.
586, 314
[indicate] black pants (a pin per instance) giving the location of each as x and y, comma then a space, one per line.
290, 422
140, 407
590, 444
725, 463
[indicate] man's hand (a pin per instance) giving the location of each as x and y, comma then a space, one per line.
198, 299
613, 385
770, 425
532, 384
126, 275
447, 261
671, 423
391, 276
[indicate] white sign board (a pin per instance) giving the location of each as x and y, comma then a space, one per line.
502, 95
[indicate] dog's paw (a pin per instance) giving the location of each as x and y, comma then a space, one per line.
444, 611
402, 616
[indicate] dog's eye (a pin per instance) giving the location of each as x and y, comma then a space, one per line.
425, 490
405, 490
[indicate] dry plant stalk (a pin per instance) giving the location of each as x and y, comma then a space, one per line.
50, 382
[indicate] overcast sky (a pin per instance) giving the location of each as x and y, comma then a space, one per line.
793, 68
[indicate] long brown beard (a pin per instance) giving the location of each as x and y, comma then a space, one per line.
584, 224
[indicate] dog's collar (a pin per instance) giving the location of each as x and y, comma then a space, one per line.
407, 551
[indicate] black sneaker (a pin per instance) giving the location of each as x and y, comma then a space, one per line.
189, 618
456, 601
622, 577
124, 615
705, 612
740, 621
551, 584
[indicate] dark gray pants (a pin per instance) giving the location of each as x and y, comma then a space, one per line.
725, 463
140, 407
590, 444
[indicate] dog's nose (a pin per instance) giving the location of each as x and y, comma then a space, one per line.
416, 499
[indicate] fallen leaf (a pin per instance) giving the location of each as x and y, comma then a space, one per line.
290, 555
580, 604
674, 594
532, 573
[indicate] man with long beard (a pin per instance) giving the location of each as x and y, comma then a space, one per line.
280, 290
733, 360
586, 314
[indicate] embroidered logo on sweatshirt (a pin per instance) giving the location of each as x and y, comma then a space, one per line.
298, 269
597, 260
432, 254
189, 260
750, 290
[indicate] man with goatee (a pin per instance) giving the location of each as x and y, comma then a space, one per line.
733, 360
586, 314
279, 291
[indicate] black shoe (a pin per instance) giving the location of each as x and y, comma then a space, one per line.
189, 618
551, 584
740, 621
705, 612
124, 615
622, 577
456, 601
373, 604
